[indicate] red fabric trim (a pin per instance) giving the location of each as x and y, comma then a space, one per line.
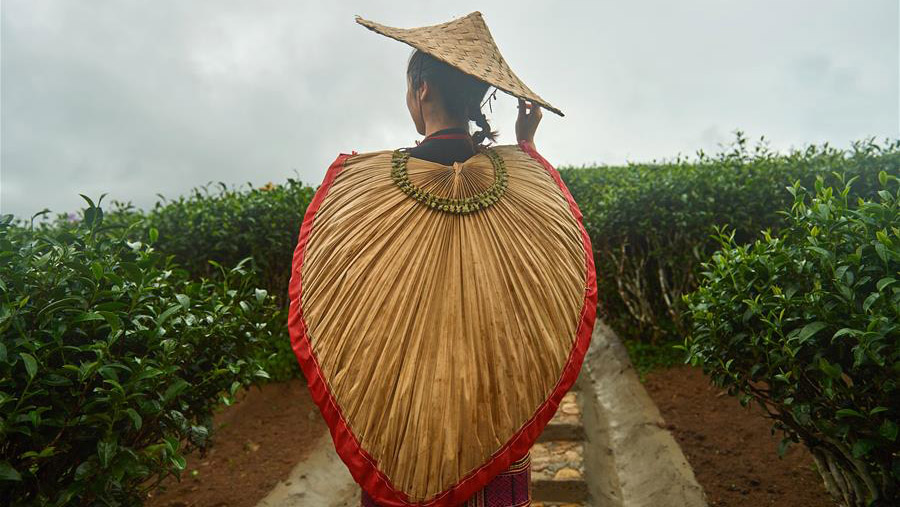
448, 136
362, 466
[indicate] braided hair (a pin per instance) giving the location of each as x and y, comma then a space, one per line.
458, 92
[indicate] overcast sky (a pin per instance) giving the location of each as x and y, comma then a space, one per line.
137, 98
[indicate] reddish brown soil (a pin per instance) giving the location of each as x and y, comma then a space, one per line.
730, 447
258, 441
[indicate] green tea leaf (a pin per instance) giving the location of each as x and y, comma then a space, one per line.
135, 418
888, 430
97, 270
862, 447
849, 412
106, 449
810, 329
174, 390
884, 282
30, 364
870, 301
184, 299
8, 473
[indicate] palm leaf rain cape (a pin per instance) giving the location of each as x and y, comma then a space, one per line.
439, 314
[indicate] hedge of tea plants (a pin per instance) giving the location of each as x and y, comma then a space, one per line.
112, 359
227, 225
652, 224
806, 322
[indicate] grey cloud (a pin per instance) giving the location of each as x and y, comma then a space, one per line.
136, 98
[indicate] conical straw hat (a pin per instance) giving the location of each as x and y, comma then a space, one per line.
439, 314
466, 44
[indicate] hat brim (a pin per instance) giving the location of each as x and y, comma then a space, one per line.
466, 44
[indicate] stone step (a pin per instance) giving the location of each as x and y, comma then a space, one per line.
569, 492
557, 459
566, 422
557, 472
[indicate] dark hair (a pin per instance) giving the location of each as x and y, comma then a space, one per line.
460, 93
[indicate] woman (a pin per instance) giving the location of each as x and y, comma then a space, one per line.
443, 296
442, 101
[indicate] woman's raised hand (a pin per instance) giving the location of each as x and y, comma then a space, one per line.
527, 122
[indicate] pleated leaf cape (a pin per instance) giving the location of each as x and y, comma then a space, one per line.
438, 344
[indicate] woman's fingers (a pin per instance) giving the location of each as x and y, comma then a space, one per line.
528, 108
527, 122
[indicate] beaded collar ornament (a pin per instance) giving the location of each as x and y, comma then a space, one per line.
450, 205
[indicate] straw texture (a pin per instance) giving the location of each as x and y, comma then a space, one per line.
467, 44
438, 334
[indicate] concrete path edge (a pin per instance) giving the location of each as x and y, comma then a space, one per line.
321, 479
633, 460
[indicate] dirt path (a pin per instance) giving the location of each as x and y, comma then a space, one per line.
730, 447
273, 449
259, 441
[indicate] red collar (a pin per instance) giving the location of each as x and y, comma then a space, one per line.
448, 134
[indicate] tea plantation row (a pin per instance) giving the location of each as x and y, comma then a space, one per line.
121, 329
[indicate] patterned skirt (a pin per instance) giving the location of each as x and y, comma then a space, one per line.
511, 488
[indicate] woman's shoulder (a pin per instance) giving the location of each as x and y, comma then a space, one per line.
523, 150
343, 158
355, 153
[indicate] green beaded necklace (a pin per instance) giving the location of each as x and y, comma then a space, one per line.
458, 206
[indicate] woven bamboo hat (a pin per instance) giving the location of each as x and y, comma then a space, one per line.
466, 44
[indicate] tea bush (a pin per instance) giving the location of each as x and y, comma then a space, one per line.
807, 323
650, 223
227, 225
230, 225
112, 360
